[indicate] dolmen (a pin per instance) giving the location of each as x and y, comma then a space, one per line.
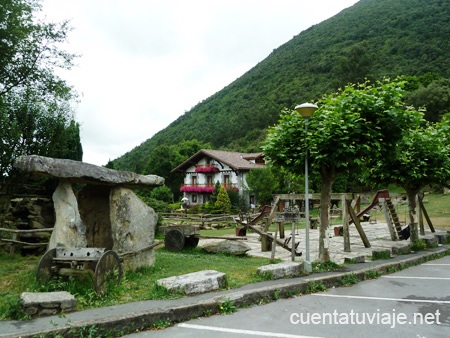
96, 207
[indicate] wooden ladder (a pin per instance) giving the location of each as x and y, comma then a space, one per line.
394, 217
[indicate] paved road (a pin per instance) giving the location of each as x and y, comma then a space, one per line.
411, 303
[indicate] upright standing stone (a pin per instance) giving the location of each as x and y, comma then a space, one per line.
132, 228
69, 229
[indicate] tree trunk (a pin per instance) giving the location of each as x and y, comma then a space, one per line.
327, 175
414, 232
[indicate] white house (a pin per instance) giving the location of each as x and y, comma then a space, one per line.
206, 167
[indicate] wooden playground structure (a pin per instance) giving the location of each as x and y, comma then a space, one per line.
287, 208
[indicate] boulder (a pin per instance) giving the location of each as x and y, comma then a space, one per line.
231, 247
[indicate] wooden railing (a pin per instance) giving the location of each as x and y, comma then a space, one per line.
15, 243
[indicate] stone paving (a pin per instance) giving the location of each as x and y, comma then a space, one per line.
377, 233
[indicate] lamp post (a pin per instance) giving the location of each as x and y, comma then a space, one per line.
306, 110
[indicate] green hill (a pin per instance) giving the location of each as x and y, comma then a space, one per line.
372, 39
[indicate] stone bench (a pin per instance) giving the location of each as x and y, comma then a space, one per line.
280, 270
38, 304
195, 282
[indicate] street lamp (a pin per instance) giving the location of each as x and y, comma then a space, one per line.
306, 110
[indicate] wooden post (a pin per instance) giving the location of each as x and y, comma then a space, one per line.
274, 244
425, 213
345, 225
293, 242
358, 225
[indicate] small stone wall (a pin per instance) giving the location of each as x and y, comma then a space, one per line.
39, 304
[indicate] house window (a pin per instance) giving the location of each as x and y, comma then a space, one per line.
194, 180
226, 180
209, 180
194, 198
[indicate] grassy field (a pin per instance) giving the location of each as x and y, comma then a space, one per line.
17, 274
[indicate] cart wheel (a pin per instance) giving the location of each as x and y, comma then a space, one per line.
44, 271
174, 240
191, 242
108, 269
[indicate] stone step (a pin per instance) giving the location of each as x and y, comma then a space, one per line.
38, 304
195, 282
280, 270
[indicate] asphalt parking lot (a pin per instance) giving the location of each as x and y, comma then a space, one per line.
410, 303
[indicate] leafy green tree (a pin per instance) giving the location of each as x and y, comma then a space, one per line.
262, 183
360, 122
223, 202
36, 110
422, 157
162, 193
215, 193
435, 97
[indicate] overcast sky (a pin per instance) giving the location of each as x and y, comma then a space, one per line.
144, 63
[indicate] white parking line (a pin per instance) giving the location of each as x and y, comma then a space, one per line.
439, 264
247, 332
410, 277
382, 298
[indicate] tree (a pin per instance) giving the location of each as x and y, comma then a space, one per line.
36, 110
422, 157
223, 202
263, 184
357, 123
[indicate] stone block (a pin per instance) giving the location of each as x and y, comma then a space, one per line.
195, 282
281, 270
440, 237
431, 241
401, 250
353, 260
38, 304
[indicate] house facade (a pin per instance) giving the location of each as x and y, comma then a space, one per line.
206, 167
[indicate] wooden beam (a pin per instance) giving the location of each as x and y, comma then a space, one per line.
358, 226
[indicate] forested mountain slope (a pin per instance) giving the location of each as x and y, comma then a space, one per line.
372, 39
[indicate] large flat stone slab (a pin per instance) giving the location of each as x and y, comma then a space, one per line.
38, 304
280, 270
196, 282
81, 172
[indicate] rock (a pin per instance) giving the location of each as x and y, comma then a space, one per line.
231, 247
196, 282
80, 172
133, 228
69, 229
281, 270
47, 303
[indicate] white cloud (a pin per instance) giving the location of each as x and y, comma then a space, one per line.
145, 62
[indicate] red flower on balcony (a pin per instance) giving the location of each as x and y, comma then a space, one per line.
207, 169
197, 189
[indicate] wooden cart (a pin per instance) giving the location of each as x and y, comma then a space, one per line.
104, 265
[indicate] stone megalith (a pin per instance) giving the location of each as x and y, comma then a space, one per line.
103, 212
69, 230
132, 228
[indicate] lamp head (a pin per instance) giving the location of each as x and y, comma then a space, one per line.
306, 110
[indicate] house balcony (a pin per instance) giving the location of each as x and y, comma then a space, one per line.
205, 188
206, 169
